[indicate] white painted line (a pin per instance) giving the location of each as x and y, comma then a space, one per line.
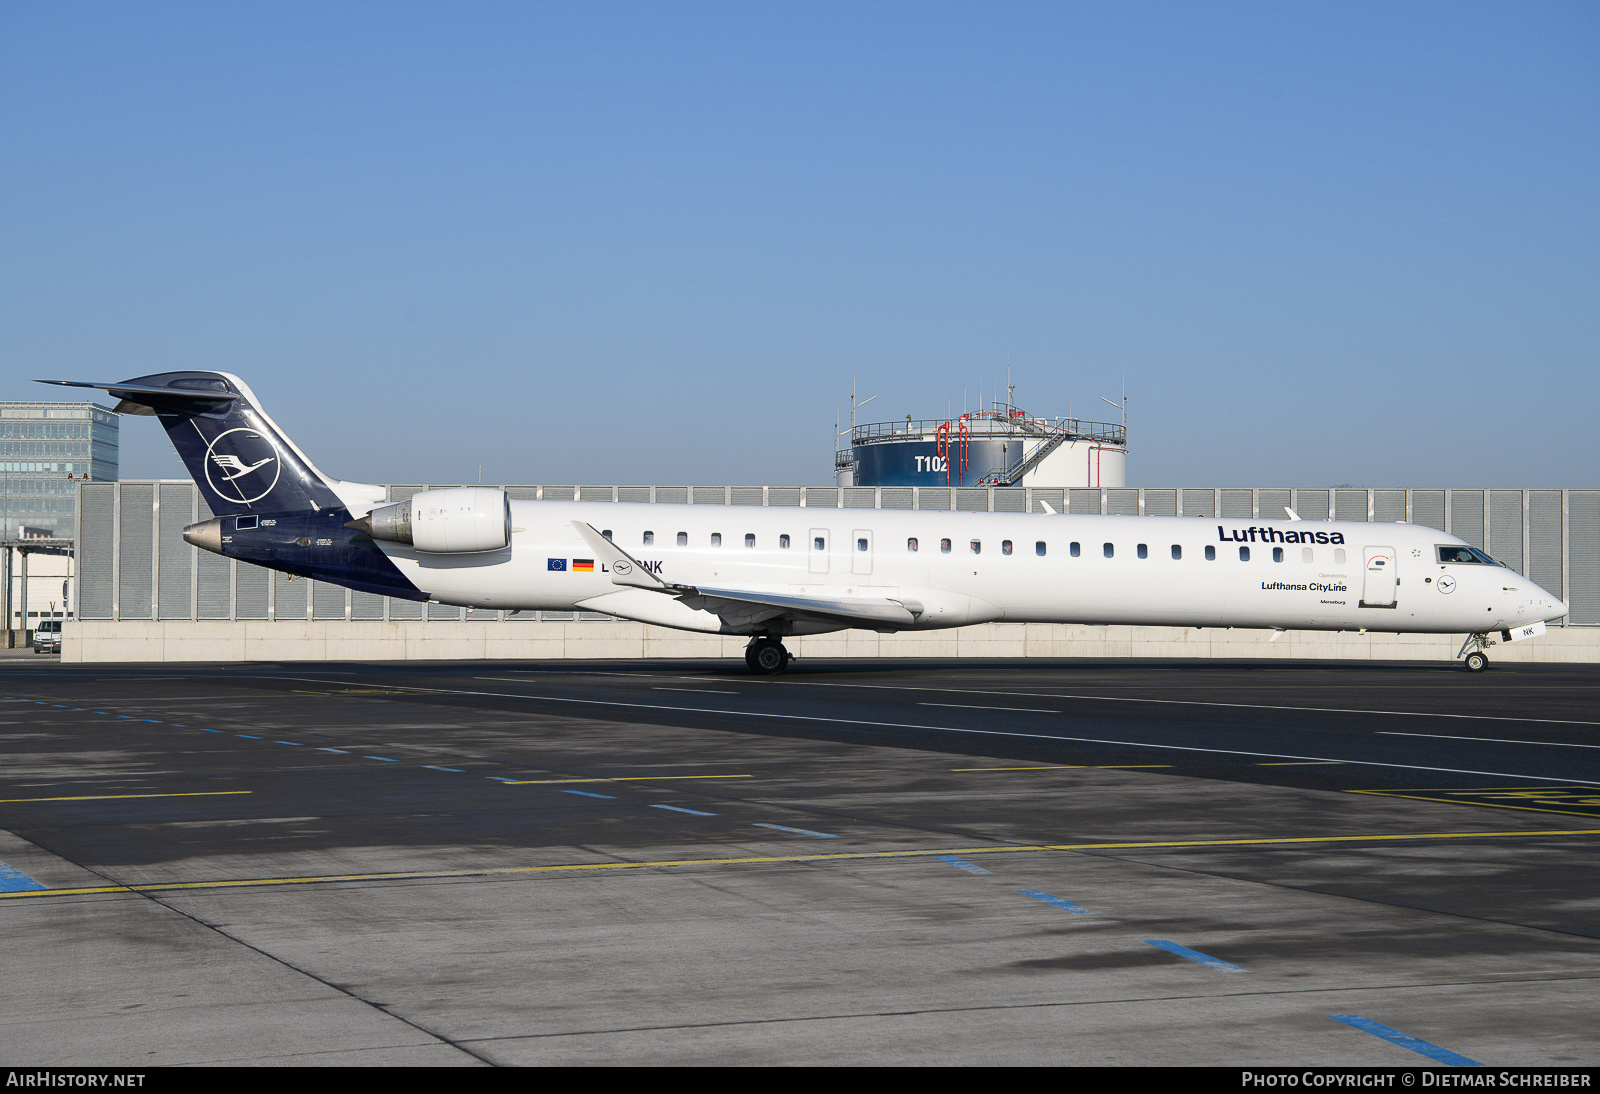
975, 732
970, 706
1491, 740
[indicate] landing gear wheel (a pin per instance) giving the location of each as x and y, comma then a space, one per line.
766, 657
1477, 661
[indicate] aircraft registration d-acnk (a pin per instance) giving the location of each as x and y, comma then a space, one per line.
772, 572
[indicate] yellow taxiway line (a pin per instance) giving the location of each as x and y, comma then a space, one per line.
837, 856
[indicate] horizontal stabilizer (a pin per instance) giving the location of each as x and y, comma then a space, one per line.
144, 399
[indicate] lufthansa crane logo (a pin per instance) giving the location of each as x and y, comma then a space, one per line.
248, 467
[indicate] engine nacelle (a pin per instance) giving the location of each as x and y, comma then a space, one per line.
462, 520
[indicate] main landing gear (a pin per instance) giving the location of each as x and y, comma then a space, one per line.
1478, 659
766, 656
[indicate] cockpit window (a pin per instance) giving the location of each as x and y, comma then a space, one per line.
1466, 556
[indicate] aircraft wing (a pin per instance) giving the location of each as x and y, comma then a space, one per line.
746, 607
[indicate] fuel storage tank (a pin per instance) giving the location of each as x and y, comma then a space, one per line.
1002, 446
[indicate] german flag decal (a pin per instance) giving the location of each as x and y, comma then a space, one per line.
583, 565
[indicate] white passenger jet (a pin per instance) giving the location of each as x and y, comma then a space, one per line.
772, 572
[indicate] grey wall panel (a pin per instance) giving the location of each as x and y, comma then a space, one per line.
1312, 504
783, 495
817, 497
1270, 504
559, 493
1544, 540
1122, 501
252, 586
860, 497
1466, 516
1427, 508
177, 557
289, 597
94, 550
1583, 555
1349, 504
1055, 496
897, 497
748, 495
1085, 499
933, 497
523, 493
1159, 503
405, 610
214, 589
1388, 505
136, 561
635, 494
1198, 502
1505, 528
1237, 504
1008, 500
671, 495
972, 499
327, 601
710, 495
444, 611
597, 493
366, 606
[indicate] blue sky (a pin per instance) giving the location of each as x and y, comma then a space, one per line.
1325, 243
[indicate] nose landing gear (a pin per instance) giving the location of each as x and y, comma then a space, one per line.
1477, 660
766, 656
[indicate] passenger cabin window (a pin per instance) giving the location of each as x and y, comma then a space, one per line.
1277, 554
1108, 550
1307, 555
683, 539
749, 539
1211, 554
977, 546
1338, 555
1075, 549
1005, 546
911, 544
783, 543
861, 545
1244, 554
649, 538
819, 544
1177, 552
944, 546
606, 532
716, 539
1144, 551
1038, 548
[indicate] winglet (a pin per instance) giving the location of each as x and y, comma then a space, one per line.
625, 569
1047, 508
1292, 514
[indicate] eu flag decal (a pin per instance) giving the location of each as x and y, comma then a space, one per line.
557, 564
583, 565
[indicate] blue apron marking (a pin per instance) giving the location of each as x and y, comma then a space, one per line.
588, 794
681, 809
797, 831
15, 881
963, 864
1196, 956
385, 759
1075, 909
247, 736
430, 767
1405, 1040
294, 744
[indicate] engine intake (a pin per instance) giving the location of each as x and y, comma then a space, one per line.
461, 520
